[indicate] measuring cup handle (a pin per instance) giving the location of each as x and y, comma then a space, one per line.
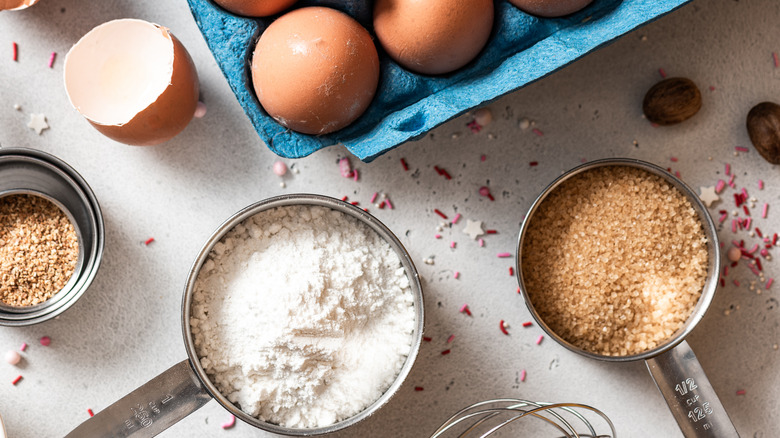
150, 409
688, 392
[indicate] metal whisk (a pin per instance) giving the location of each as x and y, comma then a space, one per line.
487, 417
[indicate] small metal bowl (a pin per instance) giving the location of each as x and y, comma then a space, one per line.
31, 172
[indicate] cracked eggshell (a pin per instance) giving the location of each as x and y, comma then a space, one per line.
435, 36
15, 5
550, 8
255, 8
315, 70
133, 81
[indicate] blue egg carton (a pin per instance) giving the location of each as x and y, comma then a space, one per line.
521, 49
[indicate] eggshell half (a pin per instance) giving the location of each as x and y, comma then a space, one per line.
433, 36
550, 8
315, 70
15, 5
255, 8
133, 81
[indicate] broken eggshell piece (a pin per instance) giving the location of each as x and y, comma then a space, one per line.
15, 5
133, 81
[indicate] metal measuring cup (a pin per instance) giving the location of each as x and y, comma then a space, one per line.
673, 365
185, 387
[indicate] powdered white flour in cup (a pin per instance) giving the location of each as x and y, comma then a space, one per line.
302, 316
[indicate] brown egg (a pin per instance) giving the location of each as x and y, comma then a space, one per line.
14, 5
133, 81
434, 36
255, 8
315, 70
550, 8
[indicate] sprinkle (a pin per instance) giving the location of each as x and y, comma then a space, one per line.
355, 173
736, 283
427, 339
677, 174
769, 283
148, 241
752, 268
662, 73
741, 149
443, 216
345, 168
45, 341
731, 181
16, 51
502, 255
728, 169
23, 347
720, 186
522, 376
344, 198
406, 166
438, 236
456, 218
418, 388
481, 242
16, 380
485, 191
51, 58
747, 223
725, 271
373, 197
474, 126
533, 163
491, 232
450, 339
465, 309
528, 324
758, 231
456, 275
764, 253
723, 217
763, 211
389, 204
674, 159
483, 157
722, 282
511, 271
755, 248
537, 132
442, 172
733, 225
445, 352
774, 239
502, 326
712, 88
355, 203
452, 244
758, 264
91, 414
774, 58
539, 339
229, 423
741, 392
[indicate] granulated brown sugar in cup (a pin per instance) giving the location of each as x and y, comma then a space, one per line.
614, 260
38, 250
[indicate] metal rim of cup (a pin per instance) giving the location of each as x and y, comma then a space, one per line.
713, 257
361, 216
92, 230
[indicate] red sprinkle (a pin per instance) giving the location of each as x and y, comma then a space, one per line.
427, 339
511, 271
758, 264
674, 159
537, 132
45, 341
354, 203
722, 282
443, 216
16, 380
774, 58
741, 392
344, 198
662, 72
148, 241
758, 231
533, 163
91, 414
474, 126
418, 388
403, 163
465, 309
745, 209
16, 51
774, 239
450, 339
445, 352
528, 324
502, 327
491, 231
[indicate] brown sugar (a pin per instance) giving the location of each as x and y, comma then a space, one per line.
614, 260
38, 250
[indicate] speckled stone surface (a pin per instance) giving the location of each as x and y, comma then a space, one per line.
126, 328
521, 49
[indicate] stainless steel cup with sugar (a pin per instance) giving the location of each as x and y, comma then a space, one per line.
626, 229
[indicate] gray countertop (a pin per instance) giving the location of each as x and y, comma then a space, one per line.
126, 328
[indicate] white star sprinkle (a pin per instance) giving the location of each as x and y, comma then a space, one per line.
708, 195
473, 229
38, 123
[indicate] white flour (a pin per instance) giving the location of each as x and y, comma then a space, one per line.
302, 316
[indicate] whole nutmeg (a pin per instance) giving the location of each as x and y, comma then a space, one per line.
672, 101
763, 125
